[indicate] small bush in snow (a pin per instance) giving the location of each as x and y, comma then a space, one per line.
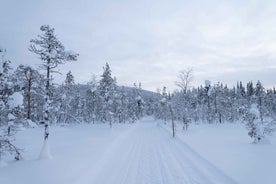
258, 129
7, 146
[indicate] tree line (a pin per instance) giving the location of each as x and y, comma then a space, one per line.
250, 104
27, 96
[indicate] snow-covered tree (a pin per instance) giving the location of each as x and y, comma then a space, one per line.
258, 128
208, 94
164, 107
91, 101
123, 110
6, 87
254, 123
259, 94
172, 118
185, 78
69, 80
7, 145
10, 103
270, 101
91, 104
139, 102
52, 53
30, 81
66, 97
107, 87
250, 89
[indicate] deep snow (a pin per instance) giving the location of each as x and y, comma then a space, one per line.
144, 152
229, 148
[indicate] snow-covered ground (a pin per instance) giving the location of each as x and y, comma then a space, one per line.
142, 153
229, 148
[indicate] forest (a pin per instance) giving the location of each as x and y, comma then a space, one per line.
29, 97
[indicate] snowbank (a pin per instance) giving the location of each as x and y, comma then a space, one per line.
45, 152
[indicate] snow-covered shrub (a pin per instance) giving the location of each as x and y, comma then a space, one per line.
6, 144
258, 129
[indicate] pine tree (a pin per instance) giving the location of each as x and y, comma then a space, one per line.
250, 89
52, 53
65, 99
260, 93
138, 101
164, 108
69, 81
91, 101
29, 79
106, 89
208, 94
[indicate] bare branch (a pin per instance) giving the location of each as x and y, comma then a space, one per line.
185, 78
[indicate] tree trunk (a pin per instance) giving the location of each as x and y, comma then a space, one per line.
47, 100
29, 99
209, 109
260, 109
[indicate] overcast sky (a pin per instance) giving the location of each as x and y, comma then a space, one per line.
150, 41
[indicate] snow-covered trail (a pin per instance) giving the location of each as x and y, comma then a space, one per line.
147, 154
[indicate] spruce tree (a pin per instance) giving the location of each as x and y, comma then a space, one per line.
107, 88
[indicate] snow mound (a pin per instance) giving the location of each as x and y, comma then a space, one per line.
31, 124
45, 152
263, 141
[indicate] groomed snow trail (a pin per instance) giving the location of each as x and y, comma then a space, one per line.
147, 154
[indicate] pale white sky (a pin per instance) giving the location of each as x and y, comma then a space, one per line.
150, 41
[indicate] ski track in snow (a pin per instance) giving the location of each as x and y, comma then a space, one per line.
147, 154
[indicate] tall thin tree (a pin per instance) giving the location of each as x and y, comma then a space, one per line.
52, 53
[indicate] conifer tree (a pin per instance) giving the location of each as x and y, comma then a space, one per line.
107, 88
52, 53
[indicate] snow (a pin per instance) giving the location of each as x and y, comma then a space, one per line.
53, 53
16, 99
142, 152
64, 96
163, 100
2, 163
31, 124
10, 123
230, 149
138, 98
11, 117
254, 110
45, 151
